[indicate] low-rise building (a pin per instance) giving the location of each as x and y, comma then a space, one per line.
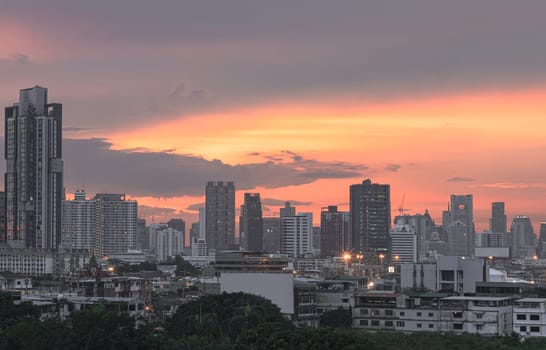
529, 317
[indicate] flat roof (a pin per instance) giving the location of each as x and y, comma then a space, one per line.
477, 298
532, 300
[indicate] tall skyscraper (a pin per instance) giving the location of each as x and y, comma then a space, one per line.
220, 215
370, 206
2, 216
34, 170
296, 234
79, 220
334, 232
498, 218
116, 224
459, 224
251, 223
142, 238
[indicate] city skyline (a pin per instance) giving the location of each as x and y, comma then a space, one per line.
431, 113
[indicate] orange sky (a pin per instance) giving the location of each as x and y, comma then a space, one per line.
493, 139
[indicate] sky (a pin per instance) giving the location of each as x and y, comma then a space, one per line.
296, 100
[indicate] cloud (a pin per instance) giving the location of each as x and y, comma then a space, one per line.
140, 172
281, 202
513, 185
147, 211
75, 129
19, 58
195, 206
461, 179
184, 90
392, 167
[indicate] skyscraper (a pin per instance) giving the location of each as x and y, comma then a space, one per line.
459, 224
179, 225
370, 206
334, 231
498, 218
287, 210
272, 235
115, 224
423, 225
251, 223
220, 215
34, 170
541, 250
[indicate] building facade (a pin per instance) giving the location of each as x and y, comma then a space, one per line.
296, 234
251, 223
334, 232
79, 222
116, 221
220, 215
370, 207
498, 218
34, 170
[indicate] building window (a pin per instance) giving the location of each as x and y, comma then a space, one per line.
523, 329
535, 329
458, 314
389, 324
363, 322
375, 312
388, 313
478, 316
419, 325
430, 314
363, 311
457, 326
375, 323
534, 317
521, 316
479, 327
430, 325
418, 314
402, 313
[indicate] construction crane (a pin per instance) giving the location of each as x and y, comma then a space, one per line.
401, 208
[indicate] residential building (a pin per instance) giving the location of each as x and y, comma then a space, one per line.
529, 317
522, 237
423, 225
404, 244
370, 208
272, 235
220, 215
115, 225
79, 222
179, 225
34, 170
459, 224
296, 234
541, 249
170, 242
334, 232
251, 223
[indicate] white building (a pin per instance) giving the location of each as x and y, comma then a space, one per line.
529, 317
116, 221
404, 244
170, 242
199, 247
448, 274
79, 219
296, 234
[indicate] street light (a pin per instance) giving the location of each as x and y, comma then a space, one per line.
381, 257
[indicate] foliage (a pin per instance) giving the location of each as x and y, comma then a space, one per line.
339, 318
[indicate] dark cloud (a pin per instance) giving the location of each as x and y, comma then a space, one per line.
195, 206
147, 211
281, 202
371, 49
75, 129
392, 167
165, 174
461, 179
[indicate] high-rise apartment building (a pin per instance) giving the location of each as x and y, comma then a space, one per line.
370, 207
296, 234
142, 238
179, 225
251, 223
541, 249
288, 210
272, 235
115, 224
498, 218
404, 244
2, 216
34, 170
170, 242
220, 215
79, 223
334, 232
522, 237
